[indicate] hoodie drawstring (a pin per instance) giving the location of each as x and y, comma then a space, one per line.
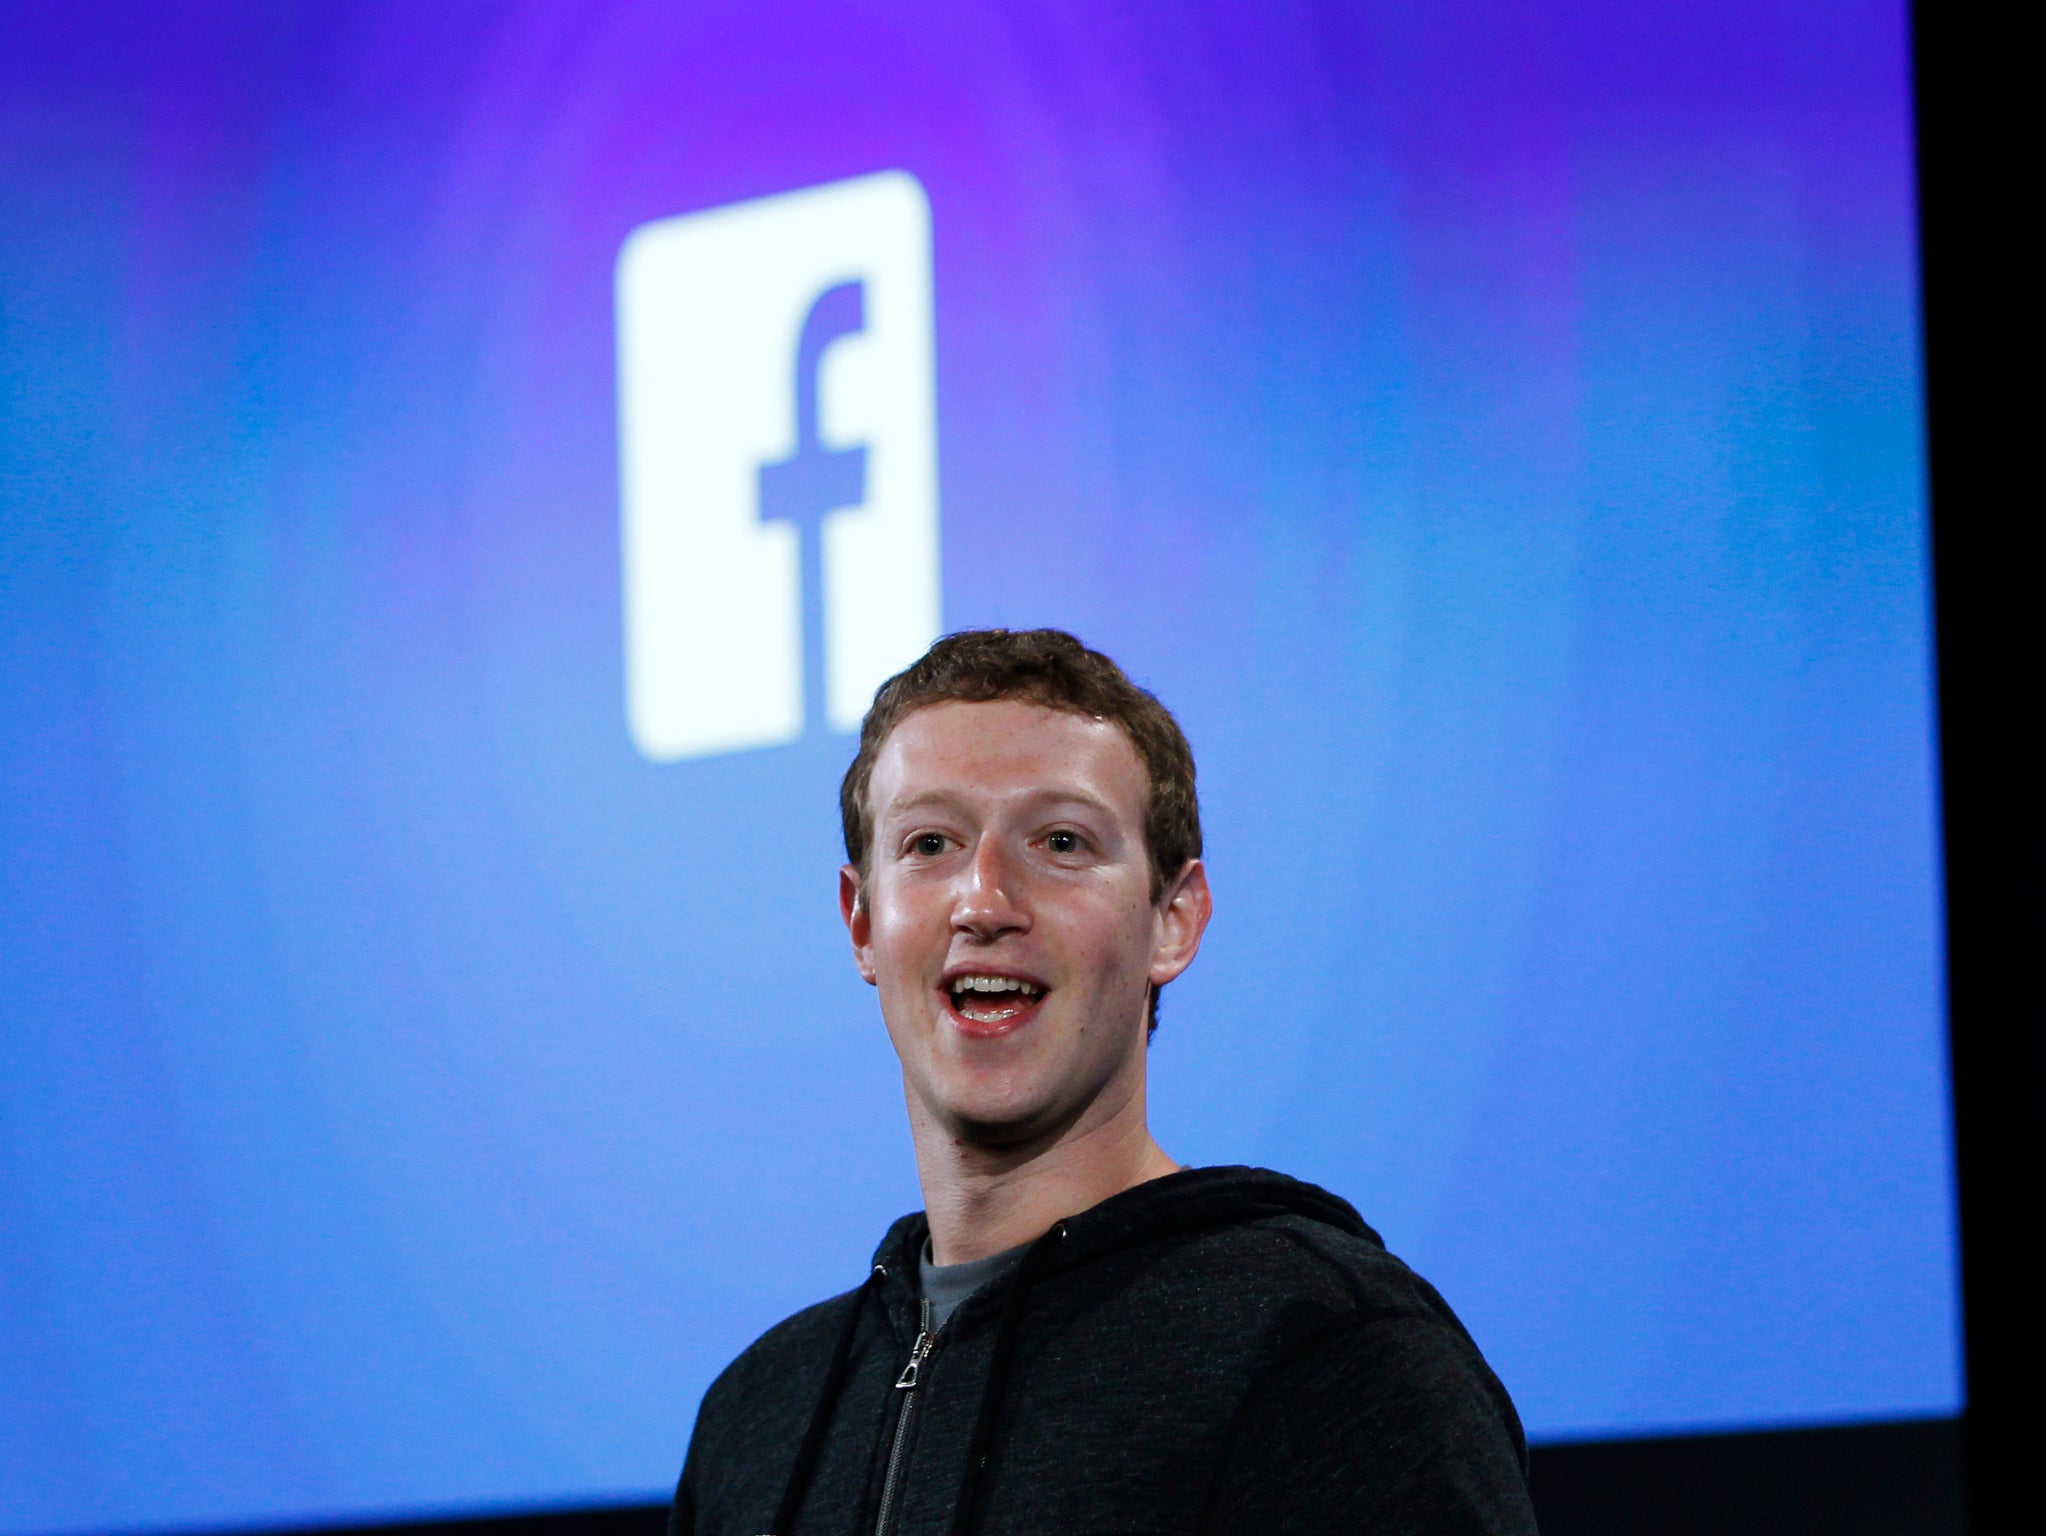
820, 1417
994, 1389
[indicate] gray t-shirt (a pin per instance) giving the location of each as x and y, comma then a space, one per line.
946, 1285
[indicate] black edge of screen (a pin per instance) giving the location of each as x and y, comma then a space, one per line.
596, 1520
1891, 1479
1900, 1479
1989, 590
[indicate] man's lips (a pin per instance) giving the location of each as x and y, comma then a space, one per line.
986, 1002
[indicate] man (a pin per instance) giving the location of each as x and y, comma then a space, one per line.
1076, 1335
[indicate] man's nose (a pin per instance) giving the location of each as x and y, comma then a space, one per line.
989, 902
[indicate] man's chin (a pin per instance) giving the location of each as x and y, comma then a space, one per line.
996, 1118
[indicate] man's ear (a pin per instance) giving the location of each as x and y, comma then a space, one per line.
859, 924
1183, 913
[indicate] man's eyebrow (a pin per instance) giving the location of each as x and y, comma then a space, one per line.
917, 802
1080, 797
1050, 796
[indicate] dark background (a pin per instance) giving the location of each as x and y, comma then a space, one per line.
1979, 328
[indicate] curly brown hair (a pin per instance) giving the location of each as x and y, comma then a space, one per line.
1052, 668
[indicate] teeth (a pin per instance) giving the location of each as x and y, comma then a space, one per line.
993, 984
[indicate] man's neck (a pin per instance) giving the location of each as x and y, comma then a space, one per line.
983, 1200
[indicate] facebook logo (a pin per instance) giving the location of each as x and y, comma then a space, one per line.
778, 458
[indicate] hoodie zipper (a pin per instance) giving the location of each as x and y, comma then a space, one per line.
906, 1384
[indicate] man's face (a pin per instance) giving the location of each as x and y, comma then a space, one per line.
1007, 917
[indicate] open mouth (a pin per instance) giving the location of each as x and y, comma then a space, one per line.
986, 1003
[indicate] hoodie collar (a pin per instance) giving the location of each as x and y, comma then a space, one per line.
1189, 1200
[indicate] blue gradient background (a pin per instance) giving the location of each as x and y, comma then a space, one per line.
1492, 427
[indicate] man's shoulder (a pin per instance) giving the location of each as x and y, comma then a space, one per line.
1348, 1278
1272, 1288
1265, 1285
1301, 1256
1260, 1238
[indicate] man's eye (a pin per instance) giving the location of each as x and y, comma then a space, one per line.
1063, 842
929, 844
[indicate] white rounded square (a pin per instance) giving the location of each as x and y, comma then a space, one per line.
712, 309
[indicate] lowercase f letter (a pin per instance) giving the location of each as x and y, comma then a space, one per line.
778, 463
